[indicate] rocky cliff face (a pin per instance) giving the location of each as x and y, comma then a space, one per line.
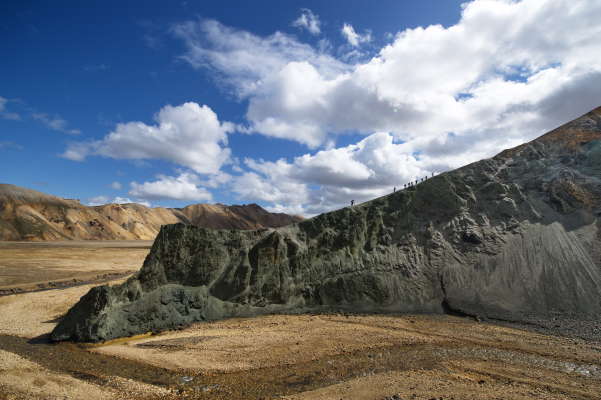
513, 237
30, 215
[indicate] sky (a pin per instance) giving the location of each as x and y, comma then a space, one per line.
299, 106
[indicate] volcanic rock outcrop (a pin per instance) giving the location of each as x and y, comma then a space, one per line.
27, 214
512, 237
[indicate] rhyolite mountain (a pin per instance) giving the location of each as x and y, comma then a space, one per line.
27, 214
513, 237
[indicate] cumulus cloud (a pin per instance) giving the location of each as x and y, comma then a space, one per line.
505, 73
56, 123
78, 151
183, 187
436, 97
116, 185
242, 60
189, 135
127, 200
98, 200
216, 180
352, 37
329, 179
308, 21
101, 200
5, 114
272, 182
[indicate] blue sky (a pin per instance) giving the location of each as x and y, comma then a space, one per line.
299, 106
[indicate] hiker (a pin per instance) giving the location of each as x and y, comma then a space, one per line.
352, 203
394, 190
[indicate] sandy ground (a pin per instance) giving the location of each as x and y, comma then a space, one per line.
23, 379
33, 314
294, 357
26, 266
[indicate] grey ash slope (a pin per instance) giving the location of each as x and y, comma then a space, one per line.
513, 237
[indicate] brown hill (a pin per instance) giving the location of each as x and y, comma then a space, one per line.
27, 214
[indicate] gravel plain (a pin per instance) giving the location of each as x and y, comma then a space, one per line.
325, 356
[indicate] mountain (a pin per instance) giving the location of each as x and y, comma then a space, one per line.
514, 237
27, 214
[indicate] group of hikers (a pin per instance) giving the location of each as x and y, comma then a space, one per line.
413, 183
405, 186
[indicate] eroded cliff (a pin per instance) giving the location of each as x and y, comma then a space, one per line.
512, 237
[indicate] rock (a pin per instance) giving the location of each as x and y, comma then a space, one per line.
471, 237
513, 237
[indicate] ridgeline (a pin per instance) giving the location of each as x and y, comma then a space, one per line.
514, 237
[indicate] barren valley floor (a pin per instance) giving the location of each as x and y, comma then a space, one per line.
330, 356
30, 266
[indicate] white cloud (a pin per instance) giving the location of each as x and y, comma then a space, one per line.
329, 179
243, 60
127, 200
5, 114
505, 73
299, 104
102, 200
437, 97
98, 200
122, 200
308, 21
216, 180
189, 135
116, 185
183, 187
78, 151
352, 37
55, 123
272, 182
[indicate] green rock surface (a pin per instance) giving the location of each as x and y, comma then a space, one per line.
514, 237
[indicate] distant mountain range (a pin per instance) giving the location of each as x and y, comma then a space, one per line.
27, 214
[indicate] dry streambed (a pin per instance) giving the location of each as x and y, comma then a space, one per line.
296, 357
301, 357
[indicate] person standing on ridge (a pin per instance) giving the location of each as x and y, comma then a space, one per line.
352, 203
